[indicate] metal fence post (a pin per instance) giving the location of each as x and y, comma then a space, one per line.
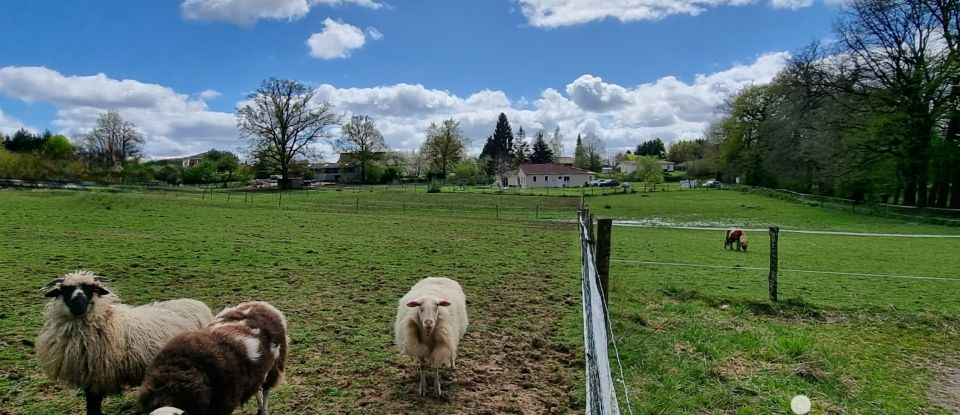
774, 261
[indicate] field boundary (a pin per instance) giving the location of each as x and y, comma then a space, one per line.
627, 223
781, 270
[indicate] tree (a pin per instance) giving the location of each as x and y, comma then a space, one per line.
542, 154
498, 150
418, 161
521, 150
556, 144
57, 147
652, 148
592, 152
444, 146
648, 170
281, 121
361, 138
113, 141
579, 155
24, 141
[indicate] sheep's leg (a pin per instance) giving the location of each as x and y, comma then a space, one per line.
94, 403
436, 381
263, 399
423, 381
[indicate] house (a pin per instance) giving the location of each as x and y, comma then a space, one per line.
326, 172
630, 166
549, 175
346, 169
606, 170
186, 162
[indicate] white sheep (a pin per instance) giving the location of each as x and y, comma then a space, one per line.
89, 340
431, 320
216, 369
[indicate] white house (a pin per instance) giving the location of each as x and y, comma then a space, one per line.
549, 175
629, 166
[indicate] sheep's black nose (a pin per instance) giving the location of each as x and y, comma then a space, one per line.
78, 304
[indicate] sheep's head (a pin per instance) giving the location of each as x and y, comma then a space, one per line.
77, 290
744, 242
167, 410
429, 307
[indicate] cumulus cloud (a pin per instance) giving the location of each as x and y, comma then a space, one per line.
622, 116
559, 13
338, 40
208, 94
174, 123
10, 125
246, 12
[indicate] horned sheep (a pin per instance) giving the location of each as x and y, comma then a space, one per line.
431, 320
91, 341
216, 369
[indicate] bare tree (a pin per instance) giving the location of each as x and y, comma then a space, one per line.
418, 161
556, 145
281, 121
593, 150
444, 147
113, 141
361, 138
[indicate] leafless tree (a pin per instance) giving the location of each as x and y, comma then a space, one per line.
113, 141
361, 138
282, 121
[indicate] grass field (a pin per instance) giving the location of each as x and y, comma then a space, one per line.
337, 276
706, 340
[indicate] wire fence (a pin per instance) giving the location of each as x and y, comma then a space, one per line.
926, 214
601, 396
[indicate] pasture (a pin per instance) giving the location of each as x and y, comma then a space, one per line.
337, 276
707, 340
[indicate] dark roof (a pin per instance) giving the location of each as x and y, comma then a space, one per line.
350, 158
552, 169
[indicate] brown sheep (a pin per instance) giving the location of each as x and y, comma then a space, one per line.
736, 236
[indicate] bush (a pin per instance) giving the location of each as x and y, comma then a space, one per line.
434, 187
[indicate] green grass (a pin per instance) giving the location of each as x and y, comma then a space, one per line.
707, 340
337, 276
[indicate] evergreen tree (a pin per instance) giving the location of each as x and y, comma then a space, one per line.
580, 155
499, 147
542, 153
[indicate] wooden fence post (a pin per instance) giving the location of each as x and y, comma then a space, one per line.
358, 205
604, 227
279, 197
498, 211
538, 211
774, 261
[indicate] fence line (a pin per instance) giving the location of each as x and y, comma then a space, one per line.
634, 224
601, 395
804, 271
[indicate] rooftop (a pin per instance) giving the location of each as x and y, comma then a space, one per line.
552, 169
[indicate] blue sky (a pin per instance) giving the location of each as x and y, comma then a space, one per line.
625, 70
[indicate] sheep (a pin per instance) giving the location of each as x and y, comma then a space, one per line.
736, 236
89, 340
216, 369
431, 320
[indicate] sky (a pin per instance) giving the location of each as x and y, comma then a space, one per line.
624, 70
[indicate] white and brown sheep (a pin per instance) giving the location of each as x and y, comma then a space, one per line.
214, 370
89, 340
736, 238
431, 320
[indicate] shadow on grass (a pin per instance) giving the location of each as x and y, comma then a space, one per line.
787, 308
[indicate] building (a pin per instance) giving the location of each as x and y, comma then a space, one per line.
549, 175
565, 161
630, 166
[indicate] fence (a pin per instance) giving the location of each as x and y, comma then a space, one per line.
601, 396
927, 214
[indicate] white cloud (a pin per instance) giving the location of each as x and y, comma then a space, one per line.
10, 125
246, 12
338, 40
621, 116
208, 94
559, 13
174, 123
374, 33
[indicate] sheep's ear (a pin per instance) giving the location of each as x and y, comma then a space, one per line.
100, 290
414, 303
53, 293
443, 303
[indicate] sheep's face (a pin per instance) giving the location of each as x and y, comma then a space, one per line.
77, 298
743, 242
428, 308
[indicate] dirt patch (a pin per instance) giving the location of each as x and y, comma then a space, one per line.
945, 389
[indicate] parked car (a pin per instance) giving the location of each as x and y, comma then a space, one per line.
596, 182
605, 183
712, 183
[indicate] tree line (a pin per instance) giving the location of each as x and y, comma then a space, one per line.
872, 117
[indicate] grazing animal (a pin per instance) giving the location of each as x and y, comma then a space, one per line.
431, 320
214, 370
89, 340
736, 236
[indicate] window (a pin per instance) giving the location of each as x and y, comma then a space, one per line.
566, 178
534, 178
546, 178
